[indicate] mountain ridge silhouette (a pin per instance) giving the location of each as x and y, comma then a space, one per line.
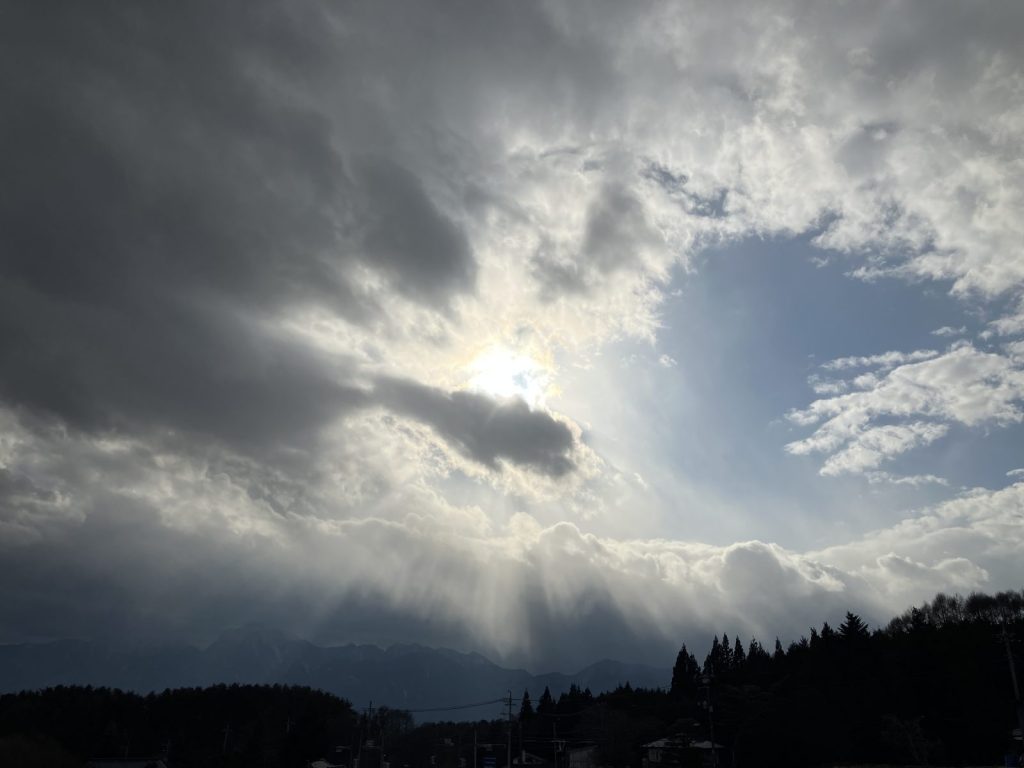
404, 676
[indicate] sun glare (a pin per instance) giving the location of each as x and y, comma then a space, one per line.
503, 373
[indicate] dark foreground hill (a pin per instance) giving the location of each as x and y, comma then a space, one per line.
402, 676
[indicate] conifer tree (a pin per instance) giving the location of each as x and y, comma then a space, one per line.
779, 654
827, 634
526, 707
757, 657
853, 628
547, 703
713, 660
739, 657
683, 672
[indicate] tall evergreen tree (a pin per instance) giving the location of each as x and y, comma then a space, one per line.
713, 661
526, 707
827, 633
739, 657
546, 705
758, 659
683, 672
853, 628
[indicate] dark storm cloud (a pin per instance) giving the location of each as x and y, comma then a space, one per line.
484, 429
406, 237
616, 229
167, 366
167, 188
122, 574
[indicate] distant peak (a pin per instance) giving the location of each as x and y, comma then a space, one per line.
250, 634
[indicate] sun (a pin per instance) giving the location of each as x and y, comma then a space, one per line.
504, 373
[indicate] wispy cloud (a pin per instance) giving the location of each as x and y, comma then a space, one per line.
912, 480
885, 360
962, 386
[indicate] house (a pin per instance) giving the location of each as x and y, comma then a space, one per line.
583, 757
530, 760
681, 751
669, 751
447, 754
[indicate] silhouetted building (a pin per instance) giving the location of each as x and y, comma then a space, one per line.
446, 755
583, 757
531, 760
680, 751
369, 756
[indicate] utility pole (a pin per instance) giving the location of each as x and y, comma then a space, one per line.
1005, 636
706, 685
509, 758
474, 748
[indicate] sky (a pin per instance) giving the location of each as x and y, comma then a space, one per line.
549, 330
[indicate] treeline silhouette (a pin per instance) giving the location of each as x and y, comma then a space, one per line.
236, 725
933, 687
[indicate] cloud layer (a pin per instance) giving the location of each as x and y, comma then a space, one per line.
251, 255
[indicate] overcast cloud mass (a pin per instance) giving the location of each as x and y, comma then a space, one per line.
549, 330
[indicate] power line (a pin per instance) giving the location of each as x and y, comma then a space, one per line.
457, 706
577, 713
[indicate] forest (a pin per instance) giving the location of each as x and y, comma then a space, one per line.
934, 687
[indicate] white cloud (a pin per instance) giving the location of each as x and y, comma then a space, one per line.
1011, 324
949, 331
912, 480
667, 361
885, 360
822, 386
964, 385
968, 543
871, 447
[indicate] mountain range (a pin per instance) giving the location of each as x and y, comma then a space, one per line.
402, 676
